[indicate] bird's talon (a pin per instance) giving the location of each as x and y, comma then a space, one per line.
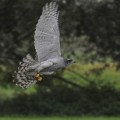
38, 77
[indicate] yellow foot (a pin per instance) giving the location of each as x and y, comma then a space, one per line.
38, 77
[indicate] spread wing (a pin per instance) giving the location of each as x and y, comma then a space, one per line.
46, 37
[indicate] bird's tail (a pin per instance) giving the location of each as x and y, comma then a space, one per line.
22, 77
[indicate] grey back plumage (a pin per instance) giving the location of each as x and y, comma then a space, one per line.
47, 43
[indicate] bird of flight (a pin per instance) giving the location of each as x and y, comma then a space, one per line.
47, 45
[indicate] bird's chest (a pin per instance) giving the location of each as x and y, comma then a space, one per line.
51, 68
54, 67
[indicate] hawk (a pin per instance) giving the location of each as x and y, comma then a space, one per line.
47, 45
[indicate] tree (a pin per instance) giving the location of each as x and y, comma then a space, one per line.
86, 26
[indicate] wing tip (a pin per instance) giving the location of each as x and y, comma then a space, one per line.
52, 6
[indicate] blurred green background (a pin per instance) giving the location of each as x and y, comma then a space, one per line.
90, 35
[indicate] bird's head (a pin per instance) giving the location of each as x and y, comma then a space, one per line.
68, 61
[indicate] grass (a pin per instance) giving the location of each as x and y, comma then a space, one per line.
59, 118
109, 75
9, 92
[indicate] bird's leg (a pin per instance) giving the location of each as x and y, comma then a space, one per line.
47, 73
38, 67
44, 65
36, 74
41, 67
38, 77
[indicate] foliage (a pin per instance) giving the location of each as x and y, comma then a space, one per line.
99, 74
64, 101
59, 118
89, 33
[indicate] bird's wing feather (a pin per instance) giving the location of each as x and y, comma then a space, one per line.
47, 42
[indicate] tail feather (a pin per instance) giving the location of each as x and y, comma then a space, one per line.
22, 77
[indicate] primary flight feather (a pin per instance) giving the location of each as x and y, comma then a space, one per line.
47, 33
47, 45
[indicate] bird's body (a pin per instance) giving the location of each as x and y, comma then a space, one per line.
57, 64
43, 66
47, 45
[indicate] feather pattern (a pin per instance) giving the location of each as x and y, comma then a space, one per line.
47, 46
22, 77
47, 42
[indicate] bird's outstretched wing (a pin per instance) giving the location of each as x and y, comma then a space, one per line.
46, 37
